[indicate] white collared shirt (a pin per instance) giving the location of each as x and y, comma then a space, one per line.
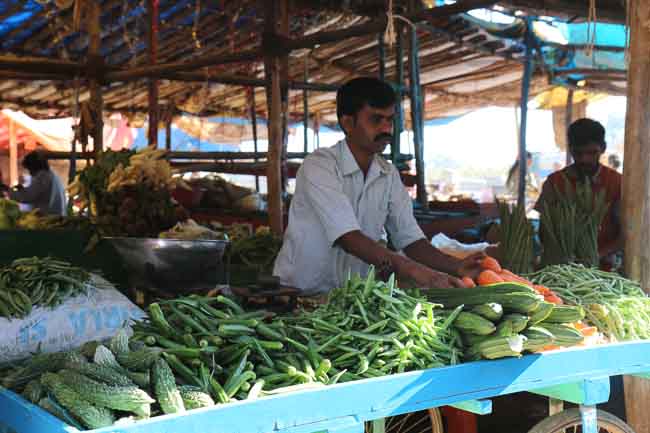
332, 198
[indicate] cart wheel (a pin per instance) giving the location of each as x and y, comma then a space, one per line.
569, 421
424, 421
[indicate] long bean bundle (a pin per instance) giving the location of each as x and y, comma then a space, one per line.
516, 239
616, 305
570, 221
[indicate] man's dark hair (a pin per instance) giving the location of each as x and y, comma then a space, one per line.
353, 95
585, 131
35, 161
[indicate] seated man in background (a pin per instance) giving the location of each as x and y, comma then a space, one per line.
586, 139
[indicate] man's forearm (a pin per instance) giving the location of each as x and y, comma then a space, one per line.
423, 252
371, 252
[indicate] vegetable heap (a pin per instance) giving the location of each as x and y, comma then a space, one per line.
128, 193
507, 315
9, 213
616, 305
195, 351
35, 281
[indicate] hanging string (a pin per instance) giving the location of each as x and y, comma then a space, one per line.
195, 25
390, 35
591, 29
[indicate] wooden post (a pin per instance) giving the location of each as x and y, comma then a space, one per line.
152, 48
398, 125
168, 133
305, 109
525, 91
95, 63
13, 154
567, 122
417, 123
254, 129
272, 70
635, 206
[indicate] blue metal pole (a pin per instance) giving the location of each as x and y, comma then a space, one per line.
398, 124
525, 91
416, 115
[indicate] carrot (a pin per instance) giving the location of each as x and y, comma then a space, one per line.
513, 278
491, 264
468, 282
542, 290
552, 297
549, 347
488, 277
589, 331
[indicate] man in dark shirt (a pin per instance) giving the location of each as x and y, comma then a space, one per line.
587, 144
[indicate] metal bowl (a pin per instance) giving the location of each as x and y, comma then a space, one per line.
172, 265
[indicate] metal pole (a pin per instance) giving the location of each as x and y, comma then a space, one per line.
399, 113
567, 122
254, 128
305, 109
416, 115
525, 90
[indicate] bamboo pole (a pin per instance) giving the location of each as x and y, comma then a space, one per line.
635, 205
568, 119
240, 80
168, 134
525, 92
272, 70
95, 58
417, 123
251, 96
398, 122
163, 68
152, 52
13, 154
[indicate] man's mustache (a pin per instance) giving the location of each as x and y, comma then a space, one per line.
388, 137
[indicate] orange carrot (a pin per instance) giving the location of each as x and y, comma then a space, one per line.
552, 297
468, 282
542, 290
588, 331
488, 277
490, 263
513, 278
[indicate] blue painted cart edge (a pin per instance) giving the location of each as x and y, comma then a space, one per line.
345, 407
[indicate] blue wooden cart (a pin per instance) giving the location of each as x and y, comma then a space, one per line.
579, 375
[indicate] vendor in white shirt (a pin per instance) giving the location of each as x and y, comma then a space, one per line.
346, 195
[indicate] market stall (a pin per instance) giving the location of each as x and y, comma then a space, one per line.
198, 359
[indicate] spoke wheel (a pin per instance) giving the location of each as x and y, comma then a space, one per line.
424, 421
569, 421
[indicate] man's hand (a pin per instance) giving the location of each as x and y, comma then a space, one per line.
427, 278
470, 266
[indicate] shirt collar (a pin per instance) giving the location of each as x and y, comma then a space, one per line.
349, 165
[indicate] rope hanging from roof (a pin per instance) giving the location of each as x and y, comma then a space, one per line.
390, 36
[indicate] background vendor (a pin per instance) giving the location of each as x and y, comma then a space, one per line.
586, 138
45, 191
347, 195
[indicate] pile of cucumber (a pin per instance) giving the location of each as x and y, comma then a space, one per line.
508, 319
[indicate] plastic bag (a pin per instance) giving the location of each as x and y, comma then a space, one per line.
97, 315
456, 249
